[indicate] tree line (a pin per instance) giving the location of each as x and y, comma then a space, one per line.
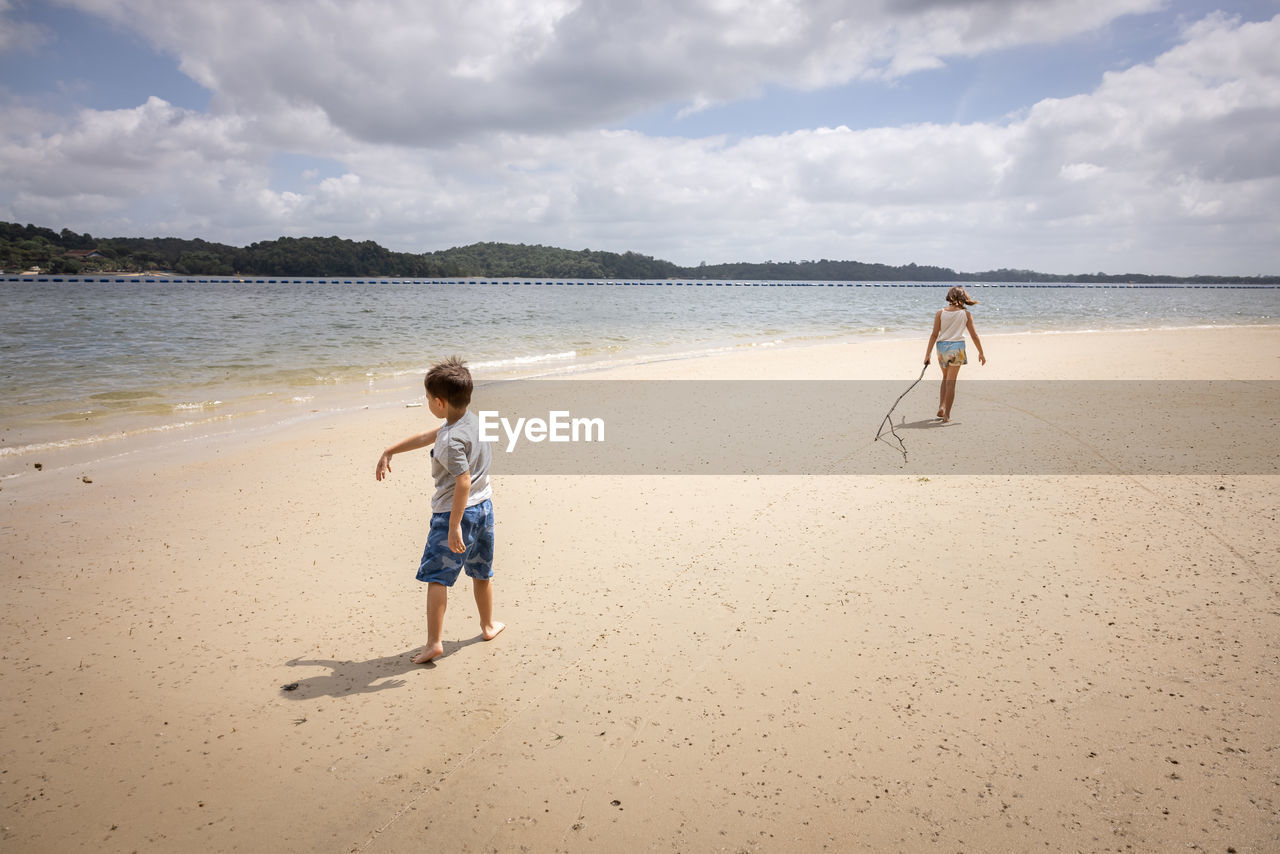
63, 252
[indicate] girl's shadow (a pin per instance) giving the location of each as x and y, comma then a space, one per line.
361, 677
926, 424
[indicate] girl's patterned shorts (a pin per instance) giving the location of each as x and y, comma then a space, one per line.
951, 353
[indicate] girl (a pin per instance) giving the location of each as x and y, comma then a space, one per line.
949, 326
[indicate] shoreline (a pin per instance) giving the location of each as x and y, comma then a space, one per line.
115, 361
879, 662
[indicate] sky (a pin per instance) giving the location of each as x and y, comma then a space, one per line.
1063, 136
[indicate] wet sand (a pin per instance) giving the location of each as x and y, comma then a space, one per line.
748, 663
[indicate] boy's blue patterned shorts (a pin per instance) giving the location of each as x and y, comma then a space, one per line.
440, 565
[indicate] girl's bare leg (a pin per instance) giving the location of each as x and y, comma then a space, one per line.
942, 391
948, 390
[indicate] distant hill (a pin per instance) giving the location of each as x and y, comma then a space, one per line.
24, 247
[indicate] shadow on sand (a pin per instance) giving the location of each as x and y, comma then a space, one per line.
361, 677
926, 424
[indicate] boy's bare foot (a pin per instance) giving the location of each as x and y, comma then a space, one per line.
941, 414
429, 653
491, 632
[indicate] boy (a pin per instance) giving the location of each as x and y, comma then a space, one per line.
461, 535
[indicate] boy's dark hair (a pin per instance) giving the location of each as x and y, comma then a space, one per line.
450, 380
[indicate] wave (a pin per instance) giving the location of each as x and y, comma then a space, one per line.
1109, 329
518, 361
101, 438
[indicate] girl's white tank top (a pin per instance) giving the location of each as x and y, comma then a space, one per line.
952, 326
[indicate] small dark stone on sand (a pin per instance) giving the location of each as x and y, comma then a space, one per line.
292, 686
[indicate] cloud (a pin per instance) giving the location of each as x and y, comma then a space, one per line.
179, 166
19, 36
430, 74
1165, 167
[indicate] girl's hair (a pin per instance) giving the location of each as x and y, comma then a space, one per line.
959, 297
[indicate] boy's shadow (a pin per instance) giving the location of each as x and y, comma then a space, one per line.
359, 677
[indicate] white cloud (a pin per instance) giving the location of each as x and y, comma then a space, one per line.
19, 36
1167, 166
186, 170
425, 74
124, 152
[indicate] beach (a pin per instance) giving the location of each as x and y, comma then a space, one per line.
889, 661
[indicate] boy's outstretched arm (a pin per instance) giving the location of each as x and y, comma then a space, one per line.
461, 492
412, 443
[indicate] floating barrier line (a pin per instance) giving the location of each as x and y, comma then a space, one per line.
117, 278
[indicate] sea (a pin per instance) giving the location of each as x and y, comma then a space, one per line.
89, 363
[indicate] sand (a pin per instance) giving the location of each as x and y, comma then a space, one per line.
882, 662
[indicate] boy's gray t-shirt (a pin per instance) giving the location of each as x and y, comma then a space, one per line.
457, 449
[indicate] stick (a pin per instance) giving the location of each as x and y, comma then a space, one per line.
888, 416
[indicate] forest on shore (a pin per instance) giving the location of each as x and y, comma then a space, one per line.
30, 247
